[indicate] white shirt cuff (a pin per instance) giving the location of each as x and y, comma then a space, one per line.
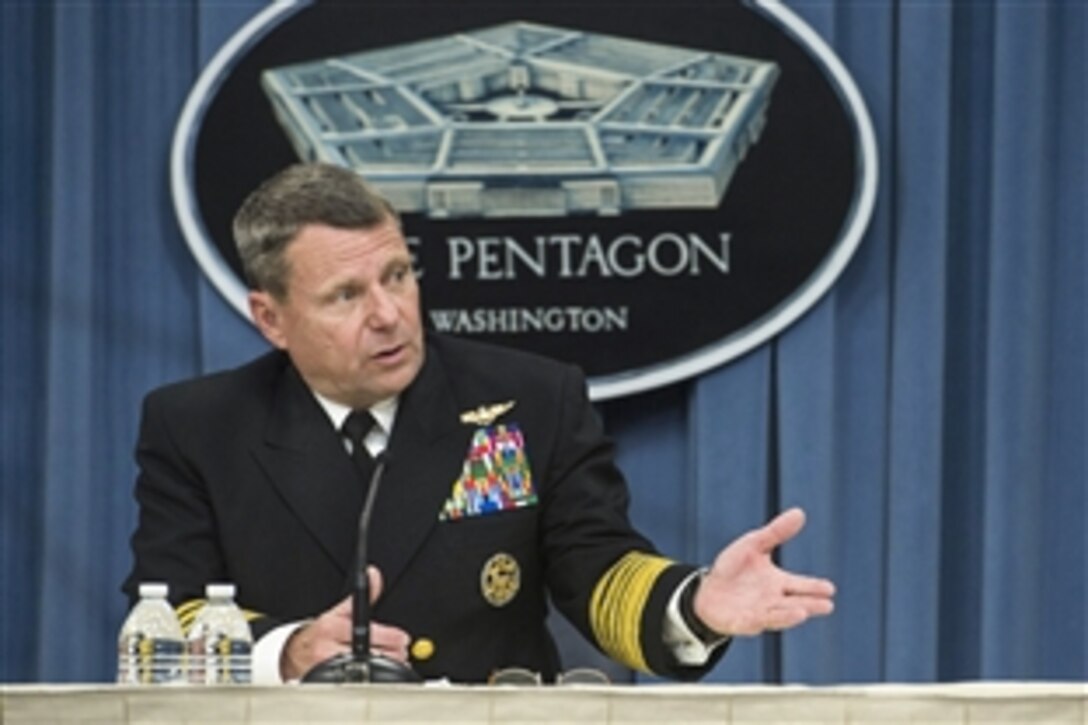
688, 649
267, 652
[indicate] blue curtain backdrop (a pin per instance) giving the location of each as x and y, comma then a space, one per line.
929, 413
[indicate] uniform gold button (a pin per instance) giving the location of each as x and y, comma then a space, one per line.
422, 649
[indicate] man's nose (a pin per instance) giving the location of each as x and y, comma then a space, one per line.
383, 308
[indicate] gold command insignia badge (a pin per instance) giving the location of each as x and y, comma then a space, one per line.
485, 415
500, 579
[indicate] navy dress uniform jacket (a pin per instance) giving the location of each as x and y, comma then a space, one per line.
244, 479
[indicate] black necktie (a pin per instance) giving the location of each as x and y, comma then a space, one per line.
355, 427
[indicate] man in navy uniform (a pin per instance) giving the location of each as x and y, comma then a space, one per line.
500, 487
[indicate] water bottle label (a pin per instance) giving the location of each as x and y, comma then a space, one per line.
225, 661
166, 658
236, 654
153, 661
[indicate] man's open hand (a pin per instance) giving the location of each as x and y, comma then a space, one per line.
745, 593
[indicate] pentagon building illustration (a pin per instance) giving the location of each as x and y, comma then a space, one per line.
529, 120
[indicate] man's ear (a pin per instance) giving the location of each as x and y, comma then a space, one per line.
266, 314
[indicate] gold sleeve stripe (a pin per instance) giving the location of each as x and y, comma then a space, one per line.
188, 610
615, 609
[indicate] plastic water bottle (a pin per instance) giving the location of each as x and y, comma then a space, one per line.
219, 642
150, 648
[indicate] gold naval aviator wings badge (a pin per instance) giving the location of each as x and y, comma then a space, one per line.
500, 579
485, 415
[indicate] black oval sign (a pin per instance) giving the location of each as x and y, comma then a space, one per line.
646, 190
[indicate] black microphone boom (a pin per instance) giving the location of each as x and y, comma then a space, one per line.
361, 665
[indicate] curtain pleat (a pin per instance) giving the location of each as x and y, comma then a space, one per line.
928, 413
73, 341
1018, 343
24, 41
730, 415
918, 176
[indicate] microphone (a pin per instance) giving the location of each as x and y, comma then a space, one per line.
361, 665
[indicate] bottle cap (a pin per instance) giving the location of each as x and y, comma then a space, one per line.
219, 590
153, 590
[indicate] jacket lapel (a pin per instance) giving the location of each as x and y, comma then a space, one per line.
426, 450
308, 466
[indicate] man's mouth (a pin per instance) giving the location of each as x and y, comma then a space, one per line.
388, 353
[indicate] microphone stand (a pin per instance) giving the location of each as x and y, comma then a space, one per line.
362, 665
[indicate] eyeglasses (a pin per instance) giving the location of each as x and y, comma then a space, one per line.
524, 677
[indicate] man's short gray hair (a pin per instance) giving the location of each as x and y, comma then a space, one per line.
316, 193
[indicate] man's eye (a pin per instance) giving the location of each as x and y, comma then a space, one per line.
345, 294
